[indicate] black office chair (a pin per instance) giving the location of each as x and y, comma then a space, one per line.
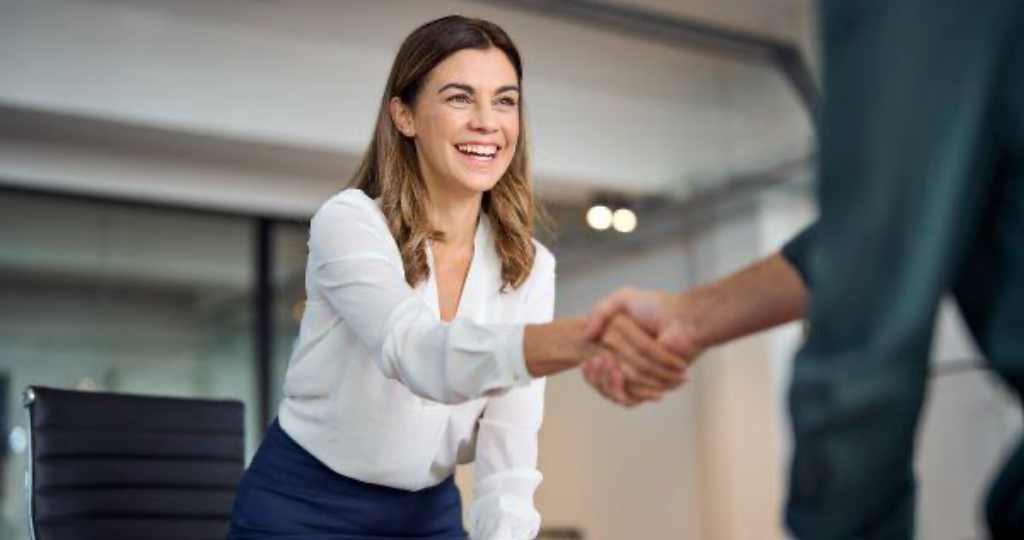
118, 467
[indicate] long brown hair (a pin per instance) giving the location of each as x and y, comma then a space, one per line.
390, 170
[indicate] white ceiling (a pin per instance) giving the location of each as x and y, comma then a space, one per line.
607, 112
783, 19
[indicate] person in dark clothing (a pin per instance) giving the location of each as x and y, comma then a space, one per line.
921, 194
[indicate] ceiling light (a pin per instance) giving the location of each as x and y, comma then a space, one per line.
599, 217
624, 220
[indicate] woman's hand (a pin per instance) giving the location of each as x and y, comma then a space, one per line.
565, 344
633, 366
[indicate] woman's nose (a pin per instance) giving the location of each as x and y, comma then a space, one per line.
483, 119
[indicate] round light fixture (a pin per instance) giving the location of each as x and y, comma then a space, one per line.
599, 217
624, 220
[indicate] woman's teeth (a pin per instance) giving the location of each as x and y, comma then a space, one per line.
478, 150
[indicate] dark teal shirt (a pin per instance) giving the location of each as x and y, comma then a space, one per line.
921, 193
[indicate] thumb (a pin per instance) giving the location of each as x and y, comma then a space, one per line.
603, 312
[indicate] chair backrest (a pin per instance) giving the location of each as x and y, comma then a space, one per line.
115, 466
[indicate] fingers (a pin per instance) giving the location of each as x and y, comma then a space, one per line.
603, 374
653, 348
637, 365
646, 361
609, 379
615, 385
628, 367
643, 393
604, 311
639, 390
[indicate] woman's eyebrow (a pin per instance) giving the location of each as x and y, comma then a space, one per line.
458, 86
469, 89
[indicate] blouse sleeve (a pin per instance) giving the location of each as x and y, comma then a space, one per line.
356, 266
505, 469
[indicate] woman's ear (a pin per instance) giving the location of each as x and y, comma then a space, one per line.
401, 116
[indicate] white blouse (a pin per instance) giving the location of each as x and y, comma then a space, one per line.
381, 390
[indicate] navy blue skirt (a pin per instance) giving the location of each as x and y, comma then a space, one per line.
287, 494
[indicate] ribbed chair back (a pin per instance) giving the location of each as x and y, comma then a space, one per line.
118, 467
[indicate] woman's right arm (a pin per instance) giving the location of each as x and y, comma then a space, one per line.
357, 267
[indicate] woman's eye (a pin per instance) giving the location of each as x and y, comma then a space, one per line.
459, 98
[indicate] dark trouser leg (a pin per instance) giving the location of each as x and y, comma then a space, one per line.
852, 473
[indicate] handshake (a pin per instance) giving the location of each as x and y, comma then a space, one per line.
633, 347
646, 341
636, 345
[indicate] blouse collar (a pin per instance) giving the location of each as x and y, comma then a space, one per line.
483, 274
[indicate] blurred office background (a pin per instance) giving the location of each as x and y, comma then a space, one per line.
159, 161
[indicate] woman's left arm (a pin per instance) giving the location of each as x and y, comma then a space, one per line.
505, 468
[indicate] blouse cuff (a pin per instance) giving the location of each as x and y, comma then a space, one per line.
512, 356
503, 508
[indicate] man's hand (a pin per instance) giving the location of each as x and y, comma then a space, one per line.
765, 294
662, 316
631, 366
564, 344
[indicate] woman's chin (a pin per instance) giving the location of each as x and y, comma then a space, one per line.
478, 183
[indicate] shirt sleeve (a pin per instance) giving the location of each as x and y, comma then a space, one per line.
356, 266
505, 468
798, 252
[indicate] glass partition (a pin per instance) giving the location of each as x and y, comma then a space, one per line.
112, 297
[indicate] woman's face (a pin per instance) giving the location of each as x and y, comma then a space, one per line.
465, 121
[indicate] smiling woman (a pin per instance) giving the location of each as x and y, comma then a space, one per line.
449, 129
470, 129
427, 329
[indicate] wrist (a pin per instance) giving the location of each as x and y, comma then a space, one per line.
690, 312
556, 346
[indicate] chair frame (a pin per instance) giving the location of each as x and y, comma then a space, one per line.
28, 398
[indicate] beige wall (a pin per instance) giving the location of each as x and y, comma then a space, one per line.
615, 473
703, 464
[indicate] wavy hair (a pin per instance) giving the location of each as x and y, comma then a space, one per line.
390, 170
